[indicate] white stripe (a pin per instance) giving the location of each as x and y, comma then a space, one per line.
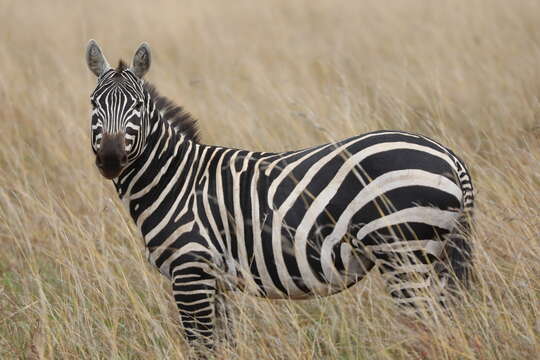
207, 208
434, 247
277, 240
239, 222
223, 214
420, 214
268, 284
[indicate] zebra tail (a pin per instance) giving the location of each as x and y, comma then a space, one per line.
459, 247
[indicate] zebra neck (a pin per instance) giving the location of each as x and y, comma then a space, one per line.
160, 172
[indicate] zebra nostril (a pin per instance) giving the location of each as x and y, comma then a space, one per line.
123, 160
99, 162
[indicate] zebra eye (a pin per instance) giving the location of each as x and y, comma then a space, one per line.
138, 105
93, 103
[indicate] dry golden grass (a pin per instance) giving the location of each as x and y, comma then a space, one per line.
280, 75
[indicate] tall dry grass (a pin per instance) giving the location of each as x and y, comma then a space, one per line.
276, 75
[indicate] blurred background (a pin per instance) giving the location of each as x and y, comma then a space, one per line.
267, 75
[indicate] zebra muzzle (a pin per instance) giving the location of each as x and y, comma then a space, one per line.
111, 157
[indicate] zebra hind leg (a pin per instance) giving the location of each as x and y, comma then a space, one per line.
409, 269
457, 256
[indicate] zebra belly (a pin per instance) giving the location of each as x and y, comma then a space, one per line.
343, 267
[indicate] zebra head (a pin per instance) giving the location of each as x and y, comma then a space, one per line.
120, 109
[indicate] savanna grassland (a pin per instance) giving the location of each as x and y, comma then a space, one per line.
276, 75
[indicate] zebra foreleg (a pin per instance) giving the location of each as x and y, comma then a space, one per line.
194, 291
224, 320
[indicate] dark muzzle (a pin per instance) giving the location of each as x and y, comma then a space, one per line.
111, 157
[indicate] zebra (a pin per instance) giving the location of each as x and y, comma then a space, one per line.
288, 225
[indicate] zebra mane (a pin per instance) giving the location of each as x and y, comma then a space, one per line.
121, 66
181, 120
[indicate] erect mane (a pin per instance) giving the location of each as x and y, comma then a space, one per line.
176, 116
121, 66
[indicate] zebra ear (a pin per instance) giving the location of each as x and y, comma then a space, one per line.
141, 60
95, 59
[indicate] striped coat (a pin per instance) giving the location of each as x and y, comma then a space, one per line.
278, 225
